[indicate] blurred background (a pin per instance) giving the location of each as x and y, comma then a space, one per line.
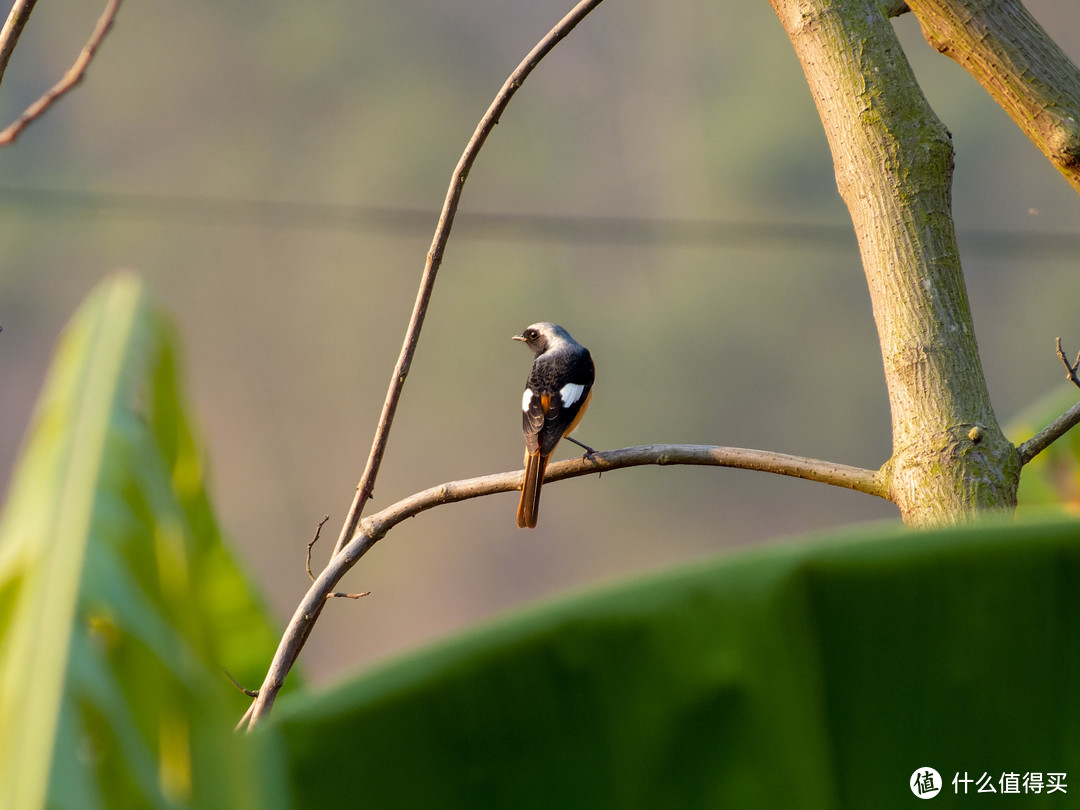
275, 174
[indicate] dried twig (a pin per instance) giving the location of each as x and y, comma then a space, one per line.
1060, 426
314, 540
373, 528
339, 595
67, 81
1070, 370
435, 254
311, 576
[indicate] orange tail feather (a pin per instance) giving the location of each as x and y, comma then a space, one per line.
529, 505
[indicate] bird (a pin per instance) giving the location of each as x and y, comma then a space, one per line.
556, 396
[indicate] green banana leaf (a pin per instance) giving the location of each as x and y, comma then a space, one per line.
825, 673
119, 604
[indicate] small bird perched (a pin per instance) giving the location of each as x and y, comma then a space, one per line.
557, 393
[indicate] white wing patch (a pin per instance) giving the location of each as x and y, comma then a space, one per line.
526, 400
570, 393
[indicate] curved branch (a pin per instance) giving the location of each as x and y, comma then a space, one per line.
67, 82
435, 254
870, 482
373, 528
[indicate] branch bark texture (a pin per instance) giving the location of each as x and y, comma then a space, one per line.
1006, 50
893, 164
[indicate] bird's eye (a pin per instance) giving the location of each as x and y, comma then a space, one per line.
532, 334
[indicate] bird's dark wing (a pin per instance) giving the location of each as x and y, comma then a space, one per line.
559, 388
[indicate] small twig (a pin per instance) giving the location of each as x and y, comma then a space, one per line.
1050, 434
348, 595
435, 254
251, 693
1060, 426
314, 540
373, 528
67, 81
1070, 370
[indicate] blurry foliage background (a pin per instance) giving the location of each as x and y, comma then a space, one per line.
291, 318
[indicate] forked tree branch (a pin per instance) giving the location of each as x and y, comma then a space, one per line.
893, 160
434, 258
67, 82
373, 528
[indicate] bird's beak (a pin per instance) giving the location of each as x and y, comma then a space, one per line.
518, 337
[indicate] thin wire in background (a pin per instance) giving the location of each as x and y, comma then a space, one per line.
532, 227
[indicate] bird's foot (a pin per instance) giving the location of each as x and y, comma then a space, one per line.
589, 452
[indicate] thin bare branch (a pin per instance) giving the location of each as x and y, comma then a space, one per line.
1050, 434
1060, 426
67, 82
373, 528
12, 30
1070, 368
314, 540
366, 486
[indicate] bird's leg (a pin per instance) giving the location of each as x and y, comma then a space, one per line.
589, 452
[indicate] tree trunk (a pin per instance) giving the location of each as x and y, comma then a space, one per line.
893, 163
